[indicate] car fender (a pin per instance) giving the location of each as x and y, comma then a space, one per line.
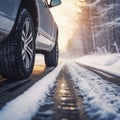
14, 15
8, 13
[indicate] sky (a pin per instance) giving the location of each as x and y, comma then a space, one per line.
65, 16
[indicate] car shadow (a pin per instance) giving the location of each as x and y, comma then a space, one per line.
10, 89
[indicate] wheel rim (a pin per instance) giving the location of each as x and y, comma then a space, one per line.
27, 44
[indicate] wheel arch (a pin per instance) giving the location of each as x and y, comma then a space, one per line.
32, 7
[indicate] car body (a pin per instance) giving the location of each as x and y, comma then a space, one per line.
17, 13
44, 22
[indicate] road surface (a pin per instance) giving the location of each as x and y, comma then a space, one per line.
75, 93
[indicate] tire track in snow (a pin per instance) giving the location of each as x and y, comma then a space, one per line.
63, 102
101, 98
26, 105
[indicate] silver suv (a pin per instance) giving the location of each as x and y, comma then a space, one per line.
21, 22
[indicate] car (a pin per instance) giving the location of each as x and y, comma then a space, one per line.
25, 28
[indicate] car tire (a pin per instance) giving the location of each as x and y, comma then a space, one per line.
17, 51
51, 58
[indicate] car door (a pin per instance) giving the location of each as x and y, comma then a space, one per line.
46, 25
46, 22
6, 13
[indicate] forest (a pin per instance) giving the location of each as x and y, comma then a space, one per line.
98, 28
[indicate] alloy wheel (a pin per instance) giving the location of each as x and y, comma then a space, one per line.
27, 44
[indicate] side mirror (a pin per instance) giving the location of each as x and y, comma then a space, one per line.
54, 3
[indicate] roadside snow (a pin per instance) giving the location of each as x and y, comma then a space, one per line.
26, 105
109, 63
101, 99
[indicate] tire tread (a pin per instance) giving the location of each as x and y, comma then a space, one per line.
10, 64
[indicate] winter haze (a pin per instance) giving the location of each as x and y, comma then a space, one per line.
88, 26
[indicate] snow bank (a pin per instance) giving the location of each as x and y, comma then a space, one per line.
109, 63
26, 105
100, 98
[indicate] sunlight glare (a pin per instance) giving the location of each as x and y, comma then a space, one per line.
65, 16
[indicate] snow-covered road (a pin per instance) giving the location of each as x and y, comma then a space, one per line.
26, 105
101, 99
109, 63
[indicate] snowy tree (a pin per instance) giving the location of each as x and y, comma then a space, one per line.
105, 23
82, 42
98, 27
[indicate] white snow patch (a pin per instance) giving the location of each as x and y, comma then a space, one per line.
101, 99
26, 105
109, 63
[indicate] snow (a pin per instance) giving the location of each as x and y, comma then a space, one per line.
109, 63
101, 99
26, 105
